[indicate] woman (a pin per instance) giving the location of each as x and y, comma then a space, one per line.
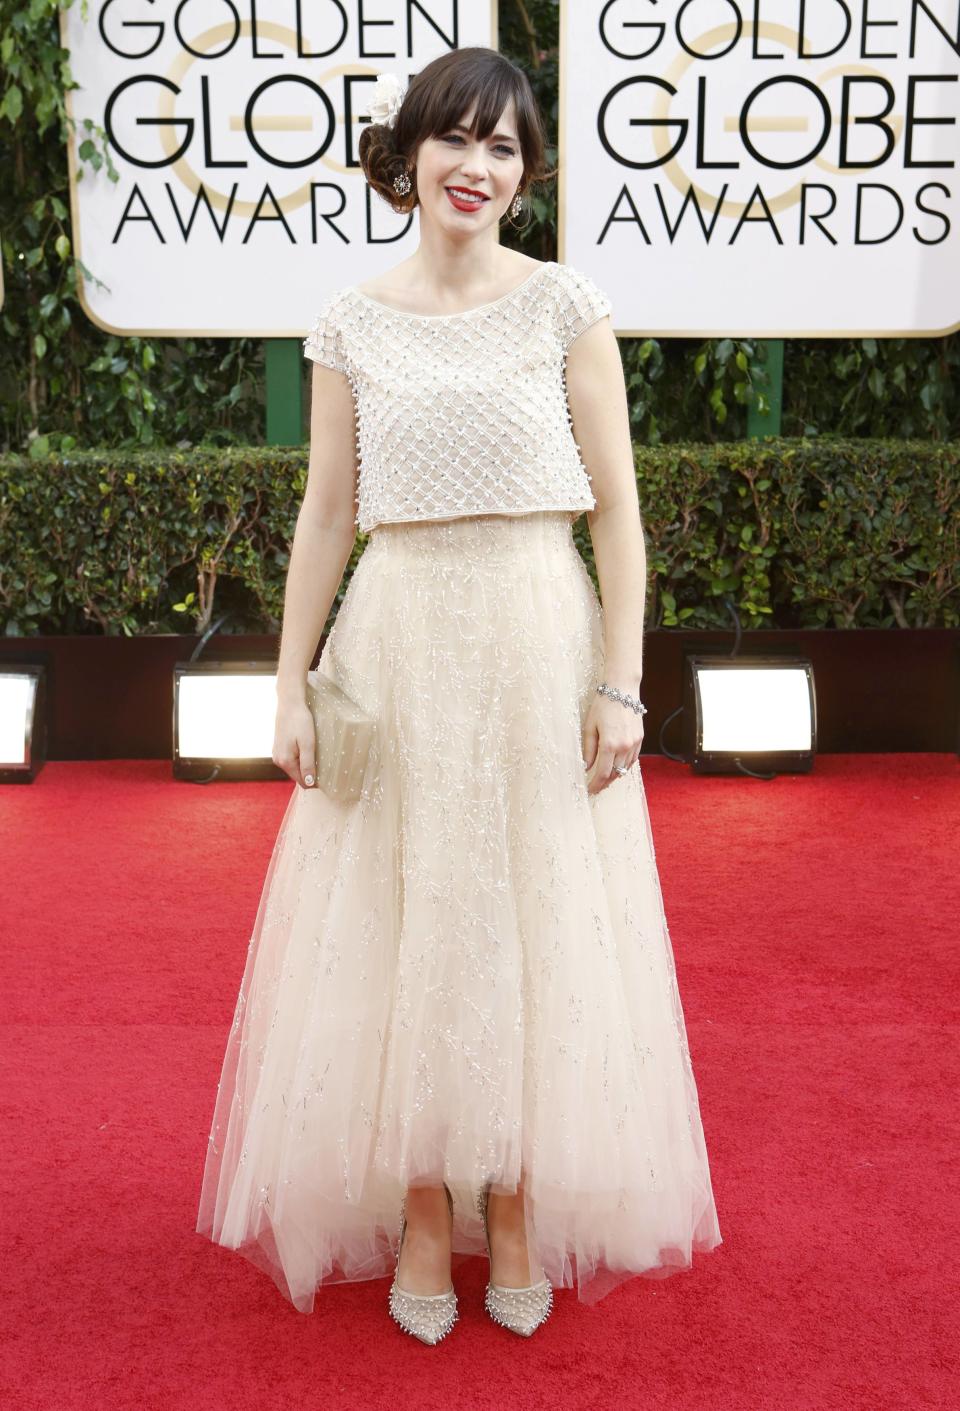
459, 1029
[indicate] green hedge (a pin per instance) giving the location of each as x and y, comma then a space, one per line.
792, 532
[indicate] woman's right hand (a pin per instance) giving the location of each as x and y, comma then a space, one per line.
295, 741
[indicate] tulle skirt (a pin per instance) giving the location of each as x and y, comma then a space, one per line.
466, 974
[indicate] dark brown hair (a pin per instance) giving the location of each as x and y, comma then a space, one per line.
440, 95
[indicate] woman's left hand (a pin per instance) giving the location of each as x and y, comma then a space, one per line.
612, 734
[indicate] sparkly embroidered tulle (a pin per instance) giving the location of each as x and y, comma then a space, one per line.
463, 413
468, 970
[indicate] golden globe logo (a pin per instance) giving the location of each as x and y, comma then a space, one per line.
845, 100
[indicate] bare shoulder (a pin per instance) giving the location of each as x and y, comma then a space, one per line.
526, 264
390, 282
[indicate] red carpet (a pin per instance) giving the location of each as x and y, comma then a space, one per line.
815, 926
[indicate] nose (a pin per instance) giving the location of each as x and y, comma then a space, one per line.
474, 164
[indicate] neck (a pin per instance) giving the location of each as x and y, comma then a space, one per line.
441, 265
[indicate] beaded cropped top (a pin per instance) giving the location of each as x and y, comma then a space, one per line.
465, 413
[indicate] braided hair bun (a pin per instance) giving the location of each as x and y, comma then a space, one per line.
382, 162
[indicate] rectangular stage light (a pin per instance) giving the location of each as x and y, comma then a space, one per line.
761, 709
224, 715
23, 722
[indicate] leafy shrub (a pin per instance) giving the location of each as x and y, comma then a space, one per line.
794, 532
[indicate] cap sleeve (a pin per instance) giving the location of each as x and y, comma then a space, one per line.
323, 344
579, 303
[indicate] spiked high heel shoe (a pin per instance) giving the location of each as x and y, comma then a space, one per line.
427, 1316
521, 1310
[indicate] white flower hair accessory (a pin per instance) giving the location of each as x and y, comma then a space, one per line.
386, 100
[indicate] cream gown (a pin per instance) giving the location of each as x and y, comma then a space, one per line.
467, 972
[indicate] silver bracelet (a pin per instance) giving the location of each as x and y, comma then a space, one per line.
633, 702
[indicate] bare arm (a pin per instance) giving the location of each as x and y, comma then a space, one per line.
322, 544
612, 732
325, 531
598, 405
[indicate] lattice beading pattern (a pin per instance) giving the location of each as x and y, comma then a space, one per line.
465, 413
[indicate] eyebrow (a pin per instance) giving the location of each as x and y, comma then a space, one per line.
459, 127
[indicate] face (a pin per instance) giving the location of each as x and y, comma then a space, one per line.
466, 185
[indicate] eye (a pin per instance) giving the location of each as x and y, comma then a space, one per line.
500, 147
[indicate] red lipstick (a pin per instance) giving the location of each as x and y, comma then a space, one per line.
461, 205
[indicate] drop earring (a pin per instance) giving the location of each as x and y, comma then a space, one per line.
401, 182
517, 205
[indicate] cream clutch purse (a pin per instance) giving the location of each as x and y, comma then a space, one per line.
345, 735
